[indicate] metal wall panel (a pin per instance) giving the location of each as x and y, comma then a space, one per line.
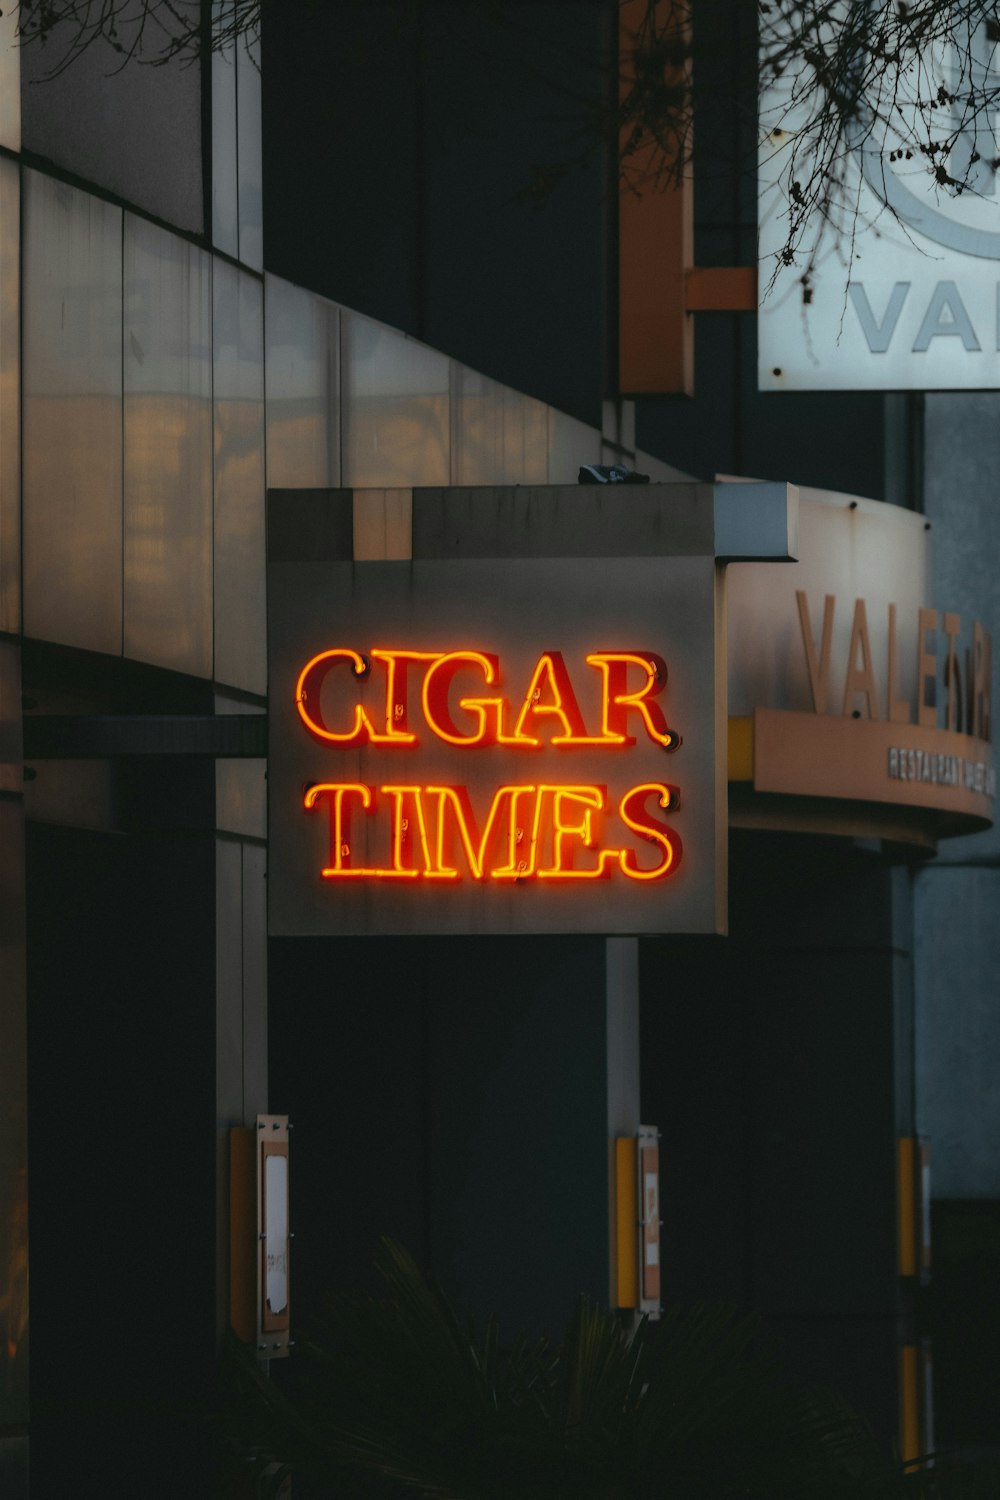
228, 1049
10, 391
168, 450
240, 787
237, 168
228, 982
255, 1095
302, 361
13, 1120
13, 1060
225, 198
72, 416
396, 406
10, 81
248, 153
238, 361
11, 736
134, 130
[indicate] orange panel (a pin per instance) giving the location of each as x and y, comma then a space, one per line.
626, 1226
721, 289
655, 244
906, 1205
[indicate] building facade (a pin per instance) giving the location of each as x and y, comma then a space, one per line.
169, 356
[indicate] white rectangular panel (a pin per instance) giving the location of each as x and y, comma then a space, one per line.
897, 287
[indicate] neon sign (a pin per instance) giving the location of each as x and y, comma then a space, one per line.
531, 828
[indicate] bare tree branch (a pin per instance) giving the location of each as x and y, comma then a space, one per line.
852, 90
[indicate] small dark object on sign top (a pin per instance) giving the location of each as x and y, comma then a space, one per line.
610, 474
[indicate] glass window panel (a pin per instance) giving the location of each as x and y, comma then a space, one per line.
135, 130
238, 355
168, 450
225, 211
72, 416
10, 396
302, 372
248, 124
571, 443
396, 408
10, 81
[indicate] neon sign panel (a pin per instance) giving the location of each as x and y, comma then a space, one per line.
530, 829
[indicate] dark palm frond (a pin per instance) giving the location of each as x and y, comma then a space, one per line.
402, 1389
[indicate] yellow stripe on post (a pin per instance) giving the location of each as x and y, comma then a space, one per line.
909, 1406
741, 748
906, 1221
626, 1223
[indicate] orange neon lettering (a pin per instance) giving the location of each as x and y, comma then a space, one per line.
397, 729
437, 685
590, 799
567, 812
618, 702
402, 830
340, 825
634, 815
308, 690
550, 693
476, 846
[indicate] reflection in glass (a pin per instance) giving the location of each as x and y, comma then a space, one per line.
10, 395
72, 416
396, 408
525, 440
238, 354
302, 366
168, 450
498, 435
477, 427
